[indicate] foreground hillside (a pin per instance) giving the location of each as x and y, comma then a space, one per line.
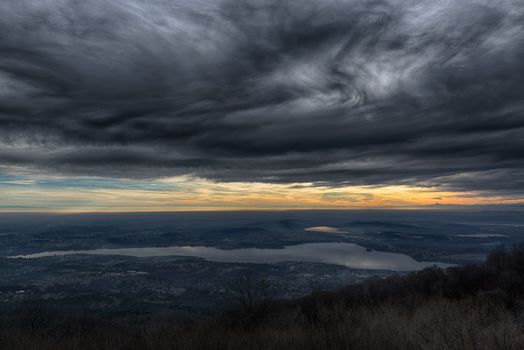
474, 307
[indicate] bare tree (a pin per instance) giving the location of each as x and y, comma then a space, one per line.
254, 295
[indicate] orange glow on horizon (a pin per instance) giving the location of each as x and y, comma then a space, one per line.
193, 194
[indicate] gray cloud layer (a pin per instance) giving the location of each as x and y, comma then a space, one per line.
360, 92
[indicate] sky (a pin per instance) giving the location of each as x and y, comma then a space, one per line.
134, 105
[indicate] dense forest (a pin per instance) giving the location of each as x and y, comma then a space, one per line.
468, 307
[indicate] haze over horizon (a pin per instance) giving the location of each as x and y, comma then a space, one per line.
127, 105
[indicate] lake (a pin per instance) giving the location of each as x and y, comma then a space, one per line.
345, 254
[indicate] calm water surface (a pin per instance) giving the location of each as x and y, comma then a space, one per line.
346, 254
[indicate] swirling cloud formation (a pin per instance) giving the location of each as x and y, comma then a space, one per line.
334, 92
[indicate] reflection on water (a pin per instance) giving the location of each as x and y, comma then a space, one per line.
324, 229
346, 254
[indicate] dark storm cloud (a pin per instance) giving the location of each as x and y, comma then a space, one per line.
331, 92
